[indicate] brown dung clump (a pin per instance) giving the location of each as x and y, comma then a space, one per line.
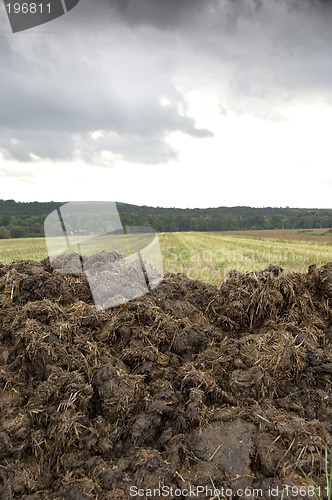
185, 383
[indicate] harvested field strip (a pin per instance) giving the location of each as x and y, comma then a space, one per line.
210, 256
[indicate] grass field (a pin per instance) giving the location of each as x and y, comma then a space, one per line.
210, 256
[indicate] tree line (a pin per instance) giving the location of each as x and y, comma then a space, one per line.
26, 220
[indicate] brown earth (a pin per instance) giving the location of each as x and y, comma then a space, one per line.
187, 384
286, 234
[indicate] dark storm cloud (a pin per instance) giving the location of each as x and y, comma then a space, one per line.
160, 12
169, 14
173, 13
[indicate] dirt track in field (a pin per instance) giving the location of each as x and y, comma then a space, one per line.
185, 383
286, 234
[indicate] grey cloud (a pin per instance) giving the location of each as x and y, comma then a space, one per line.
116, 59
130, 147
170, 14
160, 13
50, 98
30, 147
23, 144
90, 105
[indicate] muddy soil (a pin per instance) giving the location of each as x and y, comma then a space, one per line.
186, 385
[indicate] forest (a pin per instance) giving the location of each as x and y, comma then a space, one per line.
23, 220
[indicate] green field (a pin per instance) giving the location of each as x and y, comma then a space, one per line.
210, 256
206, 256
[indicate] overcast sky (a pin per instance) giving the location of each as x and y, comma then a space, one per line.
186, 103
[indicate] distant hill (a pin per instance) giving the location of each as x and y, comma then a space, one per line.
20, 220
11, 207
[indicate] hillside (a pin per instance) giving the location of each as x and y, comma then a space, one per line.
19, 220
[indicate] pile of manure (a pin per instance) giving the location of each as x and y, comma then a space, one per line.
183, 386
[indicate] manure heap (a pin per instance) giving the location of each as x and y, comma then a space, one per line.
185, 383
